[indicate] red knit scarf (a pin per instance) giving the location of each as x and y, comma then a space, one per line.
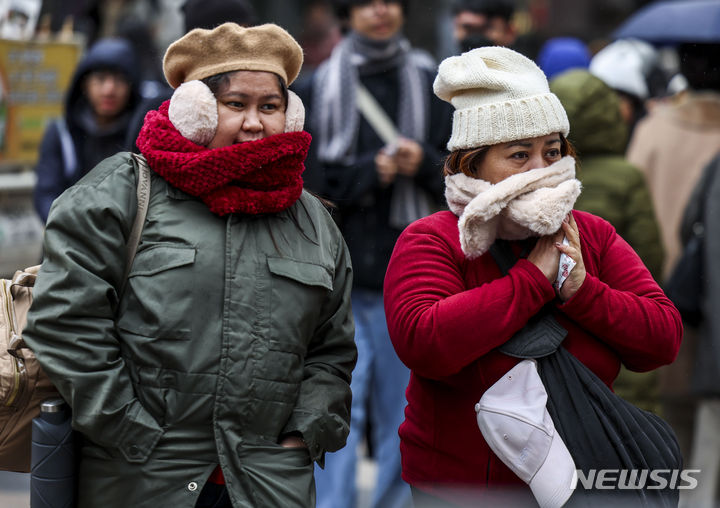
254, 177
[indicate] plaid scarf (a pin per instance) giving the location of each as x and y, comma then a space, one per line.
255, 177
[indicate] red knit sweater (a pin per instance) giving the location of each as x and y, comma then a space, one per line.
446, 315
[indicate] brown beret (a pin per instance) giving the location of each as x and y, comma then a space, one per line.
230, 47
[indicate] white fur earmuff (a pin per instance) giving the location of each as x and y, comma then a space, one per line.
294, 114
193, 112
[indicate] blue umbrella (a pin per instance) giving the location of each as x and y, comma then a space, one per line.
674, 22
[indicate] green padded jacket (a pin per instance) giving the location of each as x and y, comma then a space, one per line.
229, 333
613, 188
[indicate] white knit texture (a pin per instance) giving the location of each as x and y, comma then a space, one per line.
499, 95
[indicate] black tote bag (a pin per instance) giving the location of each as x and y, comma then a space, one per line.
601, 430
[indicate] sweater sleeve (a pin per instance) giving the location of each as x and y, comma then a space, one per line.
438, 325
621, 304
71, 325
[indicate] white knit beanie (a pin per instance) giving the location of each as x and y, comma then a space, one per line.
499, 95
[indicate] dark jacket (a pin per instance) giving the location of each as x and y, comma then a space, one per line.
231, 332
74, 144
363, 205
705, 378
613, 188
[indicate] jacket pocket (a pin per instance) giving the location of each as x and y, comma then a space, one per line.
299, 289
304, 272
158, 299
278, 476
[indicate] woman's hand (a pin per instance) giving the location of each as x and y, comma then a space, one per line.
577, 274
546, 256
292, 441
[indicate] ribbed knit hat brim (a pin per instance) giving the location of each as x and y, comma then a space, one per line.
500, 122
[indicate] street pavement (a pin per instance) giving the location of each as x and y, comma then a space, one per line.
14, 490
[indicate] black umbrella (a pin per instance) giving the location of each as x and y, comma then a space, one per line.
674, 22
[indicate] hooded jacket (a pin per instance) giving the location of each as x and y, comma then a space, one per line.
74, 144
612, 187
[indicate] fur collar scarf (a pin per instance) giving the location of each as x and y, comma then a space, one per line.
523, 205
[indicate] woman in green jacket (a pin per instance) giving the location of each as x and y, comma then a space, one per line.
613, 188
219, 369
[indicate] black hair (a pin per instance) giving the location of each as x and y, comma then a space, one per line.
209, 14
700, 64
342, 7
491, 8
218, 82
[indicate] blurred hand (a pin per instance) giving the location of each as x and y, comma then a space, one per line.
573, 250
408, 156
386, 167
292, 442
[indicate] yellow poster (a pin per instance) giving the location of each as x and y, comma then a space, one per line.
33, 79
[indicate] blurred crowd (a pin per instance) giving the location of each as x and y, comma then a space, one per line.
645, 122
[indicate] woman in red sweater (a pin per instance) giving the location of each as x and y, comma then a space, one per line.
510, 176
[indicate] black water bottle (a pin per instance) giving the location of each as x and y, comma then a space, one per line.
52, 457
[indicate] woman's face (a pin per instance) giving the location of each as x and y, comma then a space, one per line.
376, 19
251, 106
506, 159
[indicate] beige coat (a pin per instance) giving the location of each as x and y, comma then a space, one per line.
671, 146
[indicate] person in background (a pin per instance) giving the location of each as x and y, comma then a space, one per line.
379, 185
704, 207
216, 369
103, 94
483, 23
448, 305
560, 54
613, 189
671, 145
631, 68
683, 133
